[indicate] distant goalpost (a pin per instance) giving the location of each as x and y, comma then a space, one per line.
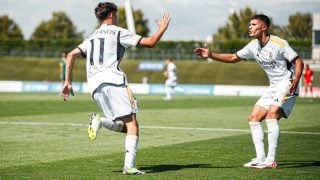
129, 16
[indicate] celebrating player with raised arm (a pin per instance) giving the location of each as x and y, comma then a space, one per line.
104, 50
283, 67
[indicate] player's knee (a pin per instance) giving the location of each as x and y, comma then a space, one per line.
132, 127
273, 115
252, 118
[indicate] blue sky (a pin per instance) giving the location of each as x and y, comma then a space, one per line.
191, 19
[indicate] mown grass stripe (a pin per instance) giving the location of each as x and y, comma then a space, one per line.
155, 127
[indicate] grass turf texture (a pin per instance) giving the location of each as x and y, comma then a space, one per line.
43, 137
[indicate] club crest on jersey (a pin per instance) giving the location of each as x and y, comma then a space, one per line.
270, 55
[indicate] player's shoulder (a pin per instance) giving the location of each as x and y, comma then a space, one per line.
103, 30
253, 42
278, 41
171, 64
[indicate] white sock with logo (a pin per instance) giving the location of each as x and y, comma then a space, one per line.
112, 125
131, 150
168, 92
257, 137
273, 138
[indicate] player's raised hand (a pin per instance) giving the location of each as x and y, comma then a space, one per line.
203, 52
164, 22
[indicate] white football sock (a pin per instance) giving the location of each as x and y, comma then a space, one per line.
257, 137
273, 138
131, 150
168, 92
112, 125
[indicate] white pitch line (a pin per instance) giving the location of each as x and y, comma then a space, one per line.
40, 123
153, 127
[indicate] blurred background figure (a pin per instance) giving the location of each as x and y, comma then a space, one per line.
308, 80
172, 79
62, 65
145, 80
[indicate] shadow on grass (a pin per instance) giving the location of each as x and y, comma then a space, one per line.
298, 164
176, 167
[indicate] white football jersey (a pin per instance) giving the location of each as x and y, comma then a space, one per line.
172, 71
275, 57
104, 50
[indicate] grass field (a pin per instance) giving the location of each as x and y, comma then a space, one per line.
191, 137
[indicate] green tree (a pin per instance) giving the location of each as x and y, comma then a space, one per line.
140, 23
59, 27
9, 29
236, 27
300, 26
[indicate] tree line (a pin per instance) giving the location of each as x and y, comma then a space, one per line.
59, 32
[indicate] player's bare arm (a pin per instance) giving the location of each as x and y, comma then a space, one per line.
222, 57
298, 72
67, 88
162, 27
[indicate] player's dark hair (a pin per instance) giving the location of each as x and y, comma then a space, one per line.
103, 9
265, 19
64, 51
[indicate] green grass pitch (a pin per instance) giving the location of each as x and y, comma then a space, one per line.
190, 137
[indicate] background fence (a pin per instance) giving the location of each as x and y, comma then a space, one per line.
137, 53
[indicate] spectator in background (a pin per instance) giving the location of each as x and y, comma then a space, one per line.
308, 79
62, 65
145, 80
172, 79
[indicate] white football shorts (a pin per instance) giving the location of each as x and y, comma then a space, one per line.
278, 95
171, 82
115, 102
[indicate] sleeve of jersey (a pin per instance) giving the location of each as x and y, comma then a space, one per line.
289, 53
83, 49
245, 53
127, 38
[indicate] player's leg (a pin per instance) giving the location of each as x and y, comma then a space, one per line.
169, 88
105, 99
131, 145
311, 91
273, 115
132, 138
168, 93
281, 106
305, 87
272, 118
257, 115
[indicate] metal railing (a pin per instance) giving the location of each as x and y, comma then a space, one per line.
138, 53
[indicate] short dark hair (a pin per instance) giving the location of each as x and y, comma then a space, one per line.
262, 18
103, 9
64, 51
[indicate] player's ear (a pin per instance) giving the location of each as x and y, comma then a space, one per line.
264, 27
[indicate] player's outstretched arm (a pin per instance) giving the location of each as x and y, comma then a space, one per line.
162, 27
222, 57
67, 87
298, 72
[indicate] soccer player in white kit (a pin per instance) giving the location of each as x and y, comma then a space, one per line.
172, 79
283, 67
104, 50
